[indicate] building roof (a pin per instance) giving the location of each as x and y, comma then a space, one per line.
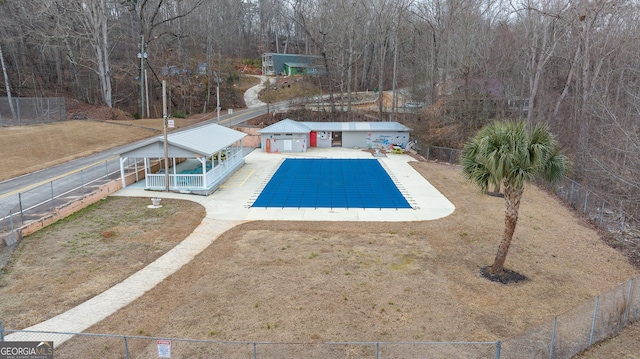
291, 126
356, 126
286, 126
199, 141
280, 54
297, 64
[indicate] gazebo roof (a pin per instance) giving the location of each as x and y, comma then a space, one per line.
199, 141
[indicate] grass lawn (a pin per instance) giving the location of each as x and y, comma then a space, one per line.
305, 281
318, 282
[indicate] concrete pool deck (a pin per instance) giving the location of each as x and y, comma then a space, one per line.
233, 199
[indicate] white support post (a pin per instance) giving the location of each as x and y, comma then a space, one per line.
146, 172
122, 175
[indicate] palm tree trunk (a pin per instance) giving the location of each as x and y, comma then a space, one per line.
512, 199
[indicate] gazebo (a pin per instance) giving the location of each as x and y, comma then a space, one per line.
200, 159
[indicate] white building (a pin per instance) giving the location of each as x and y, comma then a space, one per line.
291, 136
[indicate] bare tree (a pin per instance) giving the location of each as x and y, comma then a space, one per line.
6, 83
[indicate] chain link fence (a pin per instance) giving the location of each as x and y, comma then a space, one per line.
42, 201
595, 207
31, 110
567, 334
564, 336
109, 346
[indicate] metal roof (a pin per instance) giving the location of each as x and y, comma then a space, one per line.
203, 140
291, 126
297, 64
286, 126
356, 126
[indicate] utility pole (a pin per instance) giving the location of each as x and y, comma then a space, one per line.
166, 145
218, 87
142, 55
218, 97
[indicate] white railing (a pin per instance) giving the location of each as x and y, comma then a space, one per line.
157, 181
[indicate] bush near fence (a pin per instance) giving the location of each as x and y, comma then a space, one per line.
564, 336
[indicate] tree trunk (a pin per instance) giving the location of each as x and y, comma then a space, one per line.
6, 84
512, 199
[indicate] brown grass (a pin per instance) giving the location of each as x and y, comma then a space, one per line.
308, 281
31, 148
81, 256
28, 149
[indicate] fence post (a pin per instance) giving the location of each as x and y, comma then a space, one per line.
377, 350
52, 197
624, 217
20, 202
593, 322
450, 155
553, 337
255, 350
135, 167
628, 305
126, 347
1, 332
18, 110
498, 347
602, 213
82, 181
570, 194
13, 233
586, 200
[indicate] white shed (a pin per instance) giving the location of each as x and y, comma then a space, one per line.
285, 136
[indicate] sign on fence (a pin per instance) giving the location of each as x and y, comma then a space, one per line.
164, 348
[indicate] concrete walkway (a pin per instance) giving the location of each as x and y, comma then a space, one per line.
251, 95
230, 206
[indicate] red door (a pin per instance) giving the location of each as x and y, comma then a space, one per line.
313, 139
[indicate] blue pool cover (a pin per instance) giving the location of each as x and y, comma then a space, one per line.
331, 183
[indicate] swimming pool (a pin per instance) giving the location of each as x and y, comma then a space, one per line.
331, 183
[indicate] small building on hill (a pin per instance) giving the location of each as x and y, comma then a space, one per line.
289, 64
292, 136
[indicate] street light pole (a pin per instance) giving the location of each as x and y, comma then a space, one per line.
218, 97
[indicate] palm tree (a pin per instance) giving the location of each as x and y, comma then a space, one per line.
511, 154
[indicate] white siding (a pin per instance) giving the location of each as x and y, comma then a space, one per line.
354, 139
